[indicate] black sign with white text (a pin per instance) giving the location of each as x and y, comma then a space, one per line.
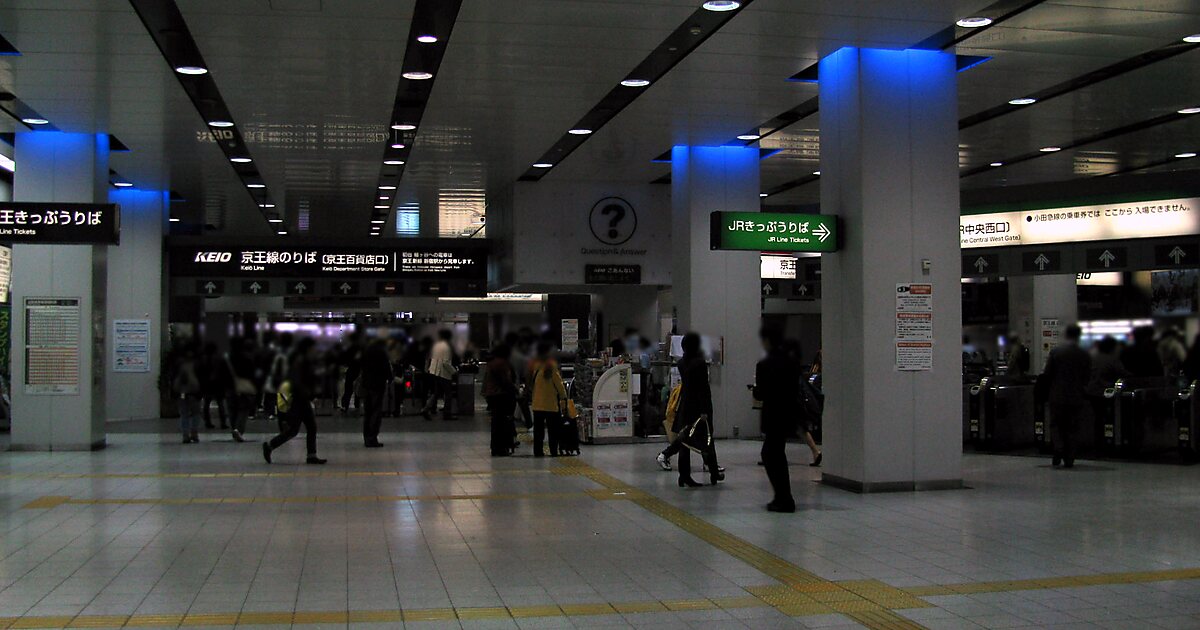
60, 223
432, 260
612, 274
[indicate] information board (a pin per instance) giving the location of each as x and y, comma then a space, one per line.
131, 345
60, 223
444, 260
1141, 219
52, 331
773, 232
914, 327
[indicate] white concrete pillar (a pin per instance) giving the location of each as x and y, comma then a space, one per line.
61, 167
1032, 299
135, 274
889, 164
716, 292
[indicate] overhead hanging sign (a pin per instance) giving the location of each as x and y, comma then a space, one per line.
443, 260
60, 223
777, 267
1142, 219
773, 232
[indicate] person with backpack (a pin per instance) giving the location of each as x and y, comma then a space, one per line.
295, 402
548, 398
776, 385
185, 383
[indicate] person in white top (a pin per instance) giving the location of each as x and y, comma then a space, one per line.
441, 371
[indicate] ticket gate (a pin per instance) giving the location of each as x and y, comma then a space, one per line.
1186, 409
1140, 417
1001, 413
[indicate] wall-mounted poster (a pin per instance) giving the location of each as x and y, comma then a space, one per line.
131, 345
52, 332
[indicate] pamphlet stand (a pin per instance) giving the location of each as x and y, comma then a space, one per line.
612, 406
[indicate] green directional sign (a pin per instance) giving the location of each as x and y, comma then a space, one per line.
774, 232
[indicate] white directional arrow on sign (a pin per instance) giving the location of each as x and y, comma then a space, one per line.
767, 290
210, 287
803, 290
1177, 254
981, 263
301, 287
1107, 258
1041, 261
345, 288
821, 232
255, 288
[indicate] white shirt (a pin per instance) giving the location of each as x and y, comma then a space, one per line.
441, 360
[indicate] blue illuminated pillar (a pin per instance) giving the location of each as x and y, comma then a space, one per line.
716, 293
889, 169
65, 167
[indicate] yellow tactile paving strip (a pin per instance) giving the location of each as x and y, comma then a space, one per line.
277, 475
799, 593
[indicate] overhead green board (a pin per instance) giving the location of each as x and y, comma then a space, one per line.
774, 232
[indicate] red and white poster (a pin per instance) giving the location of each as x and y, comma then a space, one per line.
914, 327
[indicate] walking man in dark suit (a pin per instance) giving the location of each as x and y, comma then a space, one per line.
1065, 383
777, 385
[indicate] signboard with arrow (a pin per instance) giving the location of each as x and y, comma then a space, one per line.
1177, 255
301, 287
981, 265
210, 287
256, 287
770, 288
346, 287
1041, 261
773, 232
1107, 258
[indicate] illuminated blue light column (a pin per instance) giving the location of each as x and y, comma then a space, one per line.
66, 167
135, 274
716, 293
889, 168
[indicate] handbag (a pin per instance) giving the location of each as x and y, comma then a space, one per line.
241, 386
698, 435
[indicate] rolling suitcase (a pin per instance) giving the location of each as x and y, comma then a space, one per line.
568, 436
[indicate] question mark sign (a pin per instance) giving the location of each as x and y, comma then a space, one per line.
618, 213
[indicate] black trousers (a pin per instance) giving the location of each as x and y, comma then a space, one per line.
301, 413
503, 432
774, 457
685, 457
541, 420
372, 413
439, 388
1065, 419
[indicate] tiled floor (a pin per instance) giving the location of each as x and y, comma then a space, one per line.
429, 532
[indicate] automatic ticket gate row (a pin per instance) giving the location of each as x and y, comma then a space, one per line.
1136, 417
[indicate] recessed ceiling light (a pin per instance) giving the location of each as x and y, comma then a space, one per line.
1050, 149
1192, 39
378, 221
635, 83
1190, 110
384, 197
256, 185
1189, 154
282, 232
122, 184
35, 121
817, 173
762, 194
191, 70
174, 220
579, 132
382, 207
1022, 101
403, 127
417, 75
974, 22
542, 165
427, 39
393, 162
387, 188
749, 136
274, 220
996, 164
396, 145
722, 5
240, 160
266, 205
220, 123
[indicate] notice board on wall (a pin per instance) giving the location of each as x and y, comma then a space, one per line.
52, 336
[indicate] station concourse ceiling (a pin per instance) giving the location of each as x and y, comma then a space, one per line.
312, 84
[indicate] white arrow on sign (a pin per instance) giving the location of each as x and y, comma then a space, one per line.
210, 287
301, 287
803, 290
1177, 254
981, 263
1041, 261
767, 290
345, 288
821, 232
255, 288
1107, 258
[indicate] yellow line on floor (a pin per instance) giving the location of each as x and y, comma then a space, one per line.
49, 502
1035, 584
278, 475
